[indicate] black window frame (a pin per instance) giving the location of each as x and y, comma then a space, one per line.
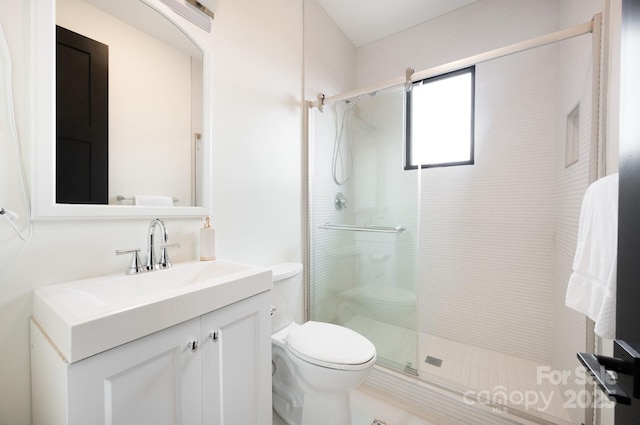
408, 165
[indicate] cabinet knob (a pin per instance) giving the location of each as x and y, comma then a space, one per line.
193, 345
214, 336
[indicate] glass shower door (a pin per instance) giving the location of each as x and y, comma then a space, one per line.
364, 224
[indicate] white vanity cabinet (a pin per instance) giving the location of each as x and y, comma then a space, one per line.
212, 369
154, 379
236, 363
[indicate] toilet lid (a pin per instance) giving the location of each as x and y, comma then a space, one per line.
331, 346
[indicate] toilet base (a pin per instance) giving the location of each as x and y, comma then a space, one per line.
315, 409
317, 412
287, 395
311, 407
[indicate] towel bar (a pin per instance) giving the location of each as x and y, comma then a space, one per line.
122, 198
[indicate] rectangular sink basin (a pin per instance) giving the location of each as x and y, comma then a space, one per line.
85, 317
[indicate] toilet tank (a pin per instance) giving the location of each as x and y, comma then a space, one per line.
287, 287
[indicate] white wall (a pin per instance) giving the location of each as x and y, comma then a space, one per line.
256, 176
329, 56
257, 116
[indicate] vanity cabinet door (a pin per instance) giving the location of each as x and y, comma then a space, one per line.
236, 363
153, 380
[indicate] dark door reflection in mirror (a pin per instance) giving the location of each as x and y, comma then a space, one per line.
82, 100
154, 103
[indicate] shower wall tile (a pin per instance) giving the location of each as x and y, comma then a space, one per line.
487, 231
474, 29
574, 88
333, 252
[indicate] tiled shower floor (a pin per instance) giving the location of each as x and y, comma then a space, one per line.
469, 369
482, 371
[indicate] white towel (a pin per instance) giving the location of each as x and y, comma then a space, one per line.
155, 201
592, 285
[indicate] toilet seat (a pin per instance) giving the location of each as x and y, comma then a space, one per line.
331, 346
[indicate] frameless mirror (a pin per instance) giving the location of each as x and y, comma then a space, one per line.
156, 146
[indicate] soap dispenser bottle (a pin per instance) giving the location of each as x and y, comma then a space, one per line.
207, 241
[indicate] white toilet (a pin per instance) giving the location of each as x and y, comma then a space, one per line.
315, 364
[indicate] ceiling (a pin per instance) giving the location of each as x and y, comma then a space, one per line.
364, 21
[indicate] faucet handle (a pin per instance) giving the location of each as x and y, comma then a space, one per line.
165, 263
136, 265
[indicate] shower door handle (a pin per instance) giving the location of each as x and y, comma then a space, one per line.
627, 364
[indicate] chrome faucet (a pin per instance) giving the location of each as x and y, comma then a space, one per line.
152, 263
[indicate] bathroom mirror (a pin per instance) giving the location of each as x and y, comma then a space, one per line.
159, 79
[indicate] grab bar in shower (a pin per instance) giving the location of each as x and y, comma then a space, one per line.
355, 228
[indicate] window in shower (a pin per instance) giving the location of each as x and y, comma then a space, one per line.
440, 117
